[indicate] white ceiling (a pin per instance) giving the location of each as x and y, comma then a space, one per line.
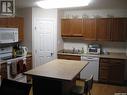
95, 4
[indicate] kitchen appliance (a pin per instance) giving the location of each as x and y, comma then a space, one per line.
22, 51
8, 35
6, 53
25, 50
91, 69
94, 49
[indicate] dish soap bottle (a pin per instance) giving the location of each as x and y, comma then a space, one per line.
82, 50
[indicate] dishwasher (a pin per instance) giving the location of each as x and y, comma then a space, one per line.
91, 69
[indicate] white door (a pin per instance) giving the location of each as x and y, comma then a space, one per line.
44, 41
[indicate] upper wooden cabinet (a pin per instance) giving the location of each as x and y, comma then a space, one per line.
119, 29
100, 29
89, 29
65, 27
17, 22
3, 22
104, 26
71, 27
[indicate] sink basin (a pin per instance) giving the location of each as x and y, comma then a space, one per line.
71, 51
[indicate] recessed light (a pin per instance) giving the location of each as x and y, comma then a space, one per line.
50, 4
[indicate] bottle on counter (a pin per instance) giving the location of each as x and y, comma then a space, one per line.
82, 50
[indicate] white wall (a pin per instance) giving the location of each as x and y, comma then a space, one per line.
93, 13
27, 14
60, 43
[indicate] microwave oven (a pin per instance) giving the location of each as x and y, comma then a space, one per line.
94, 49
8, 35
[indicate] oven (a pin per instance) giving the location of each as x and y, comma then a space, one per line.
15, 69
15, 66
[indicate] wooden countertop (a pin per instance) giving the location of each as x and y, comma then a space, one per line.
59, 69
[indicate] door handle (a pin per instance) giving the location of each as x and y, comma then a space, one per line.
51, 54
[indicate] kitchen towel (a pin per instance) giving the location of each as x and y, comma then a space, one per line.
13, 69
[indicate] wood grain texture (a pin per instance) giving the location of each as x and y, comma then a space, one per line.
69, 57
105, 89
16, 22
59, 69
89, 29
103, 29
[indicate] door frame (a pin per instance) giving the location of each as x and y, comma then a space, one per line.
34, 51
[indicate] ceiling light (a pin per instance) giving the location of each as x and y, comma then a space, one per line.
49, 4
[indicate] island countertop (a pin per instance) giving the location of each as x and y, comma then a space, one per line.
58, 69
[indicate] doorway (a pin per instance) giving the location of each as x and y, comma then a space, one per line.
44, 41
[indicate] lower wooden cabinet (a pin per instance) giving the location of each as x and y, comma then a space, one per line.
111, 70
69, 57
3, 70
29, 66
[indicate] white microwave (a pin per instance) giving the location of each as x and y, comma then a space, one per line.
8, 35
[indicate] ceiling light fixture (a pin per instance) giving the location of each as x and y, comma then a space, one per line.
50, 4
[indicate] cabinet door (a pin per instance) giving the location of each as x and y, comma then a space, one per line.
29, 63
65, 27
104, 70
3, 70
3, 22
119, 30
89, 29
104, 29
111, 70
71, 27
17, 22
29, 67
76, 27
116, 71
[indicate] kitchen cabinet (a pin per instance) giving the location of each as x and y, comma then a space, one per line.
68, 57
3, 70
17, 22
29, 66
103, 29
65, 27
100, 29
119, 29
89, 29
71, 27
111, 70
3, 22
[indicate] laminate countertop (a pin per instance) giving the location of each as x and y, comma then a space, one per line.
59, 69
109, 55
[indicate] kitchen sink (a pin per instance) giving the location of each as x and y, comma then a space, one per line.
71, 51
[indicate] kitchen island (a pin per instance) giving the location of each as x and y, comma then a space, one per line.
56, 77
